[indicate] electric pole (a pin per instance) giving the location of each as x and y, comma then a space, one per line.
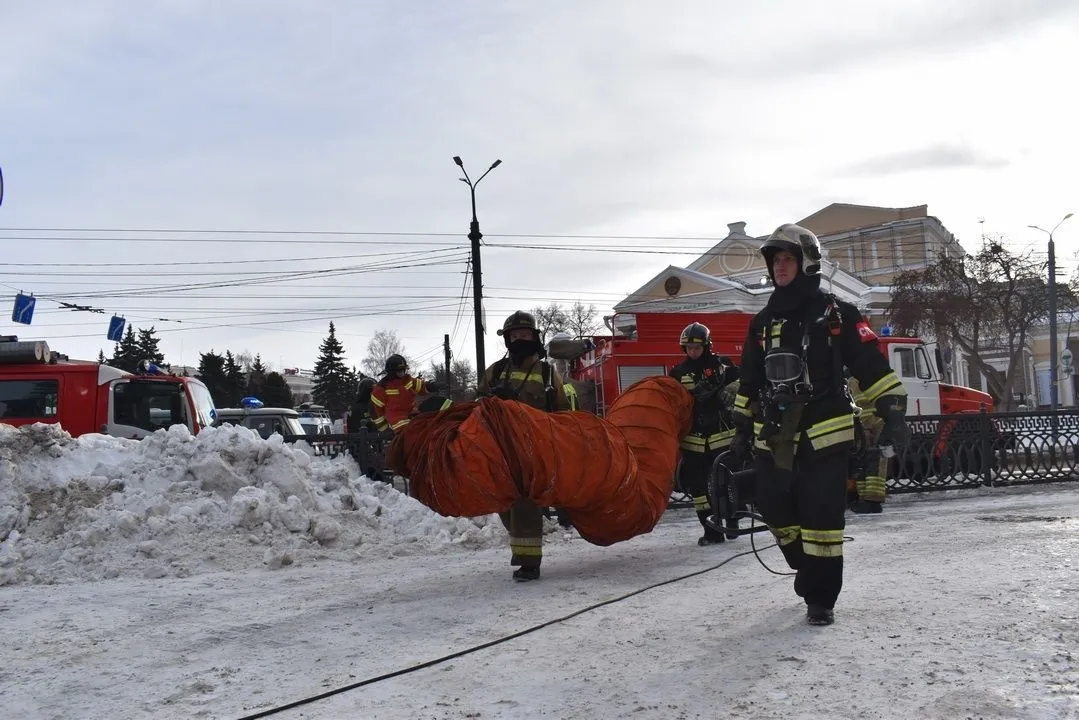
475, 236
449, 376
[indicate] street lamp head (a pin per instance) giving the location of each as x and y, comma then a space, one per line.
457, 160
1067, 216
496, 163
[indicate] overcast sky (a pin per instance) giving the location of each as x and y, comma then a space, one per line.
634, 120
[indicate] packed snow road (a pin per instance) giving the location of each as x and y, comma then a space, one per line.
954, 606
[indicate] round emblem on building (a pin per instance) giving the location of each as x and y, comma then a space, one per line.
672, 285
737, 258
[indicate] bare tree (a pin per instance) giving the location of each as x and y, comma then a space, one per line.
245, 359
581, 321
550, 320
383, 344
985, 304
462, 376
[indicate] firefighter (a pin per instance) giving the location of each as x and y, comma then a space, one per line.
866, 489
524, 375
705, 375
393, 398
360, 415
792, 406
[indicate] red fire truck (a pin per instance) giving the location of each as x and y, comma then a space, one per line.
645, 344
38, 385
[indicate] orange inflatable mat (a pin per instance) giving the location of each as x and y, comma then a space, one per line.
612, 475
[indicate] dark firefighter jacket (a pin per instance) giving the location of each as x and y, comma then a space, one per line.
827, 420
528, 383
706, 379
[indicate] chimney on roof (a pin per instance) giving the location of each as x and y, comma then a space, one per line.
737, 228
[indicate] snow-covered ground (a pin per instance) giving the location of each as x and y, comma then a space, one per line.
224, 576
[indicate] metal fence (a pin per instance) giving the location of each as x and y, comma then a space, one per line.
365, 447
987, 449
946, 452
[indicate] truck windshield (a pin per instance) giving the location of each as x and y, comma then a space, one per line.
148, 405
204, 404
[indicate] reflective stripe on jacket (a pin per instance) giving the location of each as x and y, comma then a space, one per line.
393, 399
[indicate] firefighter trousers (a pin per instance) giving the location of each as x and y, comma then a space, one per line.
524, 521
693, 476
805, 509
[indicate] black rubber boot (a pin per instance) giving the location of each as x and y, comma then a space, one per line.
819, 615
525, 574
863, 507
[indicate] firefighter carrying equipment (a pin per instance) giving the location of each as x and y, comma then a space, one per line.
393, 399
612, 475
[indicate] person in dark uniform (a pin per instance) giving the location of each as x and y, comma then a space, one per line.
792, 406
705, 375
523, 375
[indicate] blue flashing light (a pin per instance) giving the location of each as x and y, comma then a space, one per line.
886, 331
148, 368
251, 403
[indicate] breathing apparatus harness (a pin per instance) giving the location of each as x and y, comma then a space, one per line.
786, 370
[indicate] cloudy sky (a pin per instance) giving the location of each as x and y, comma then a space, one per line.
306, 153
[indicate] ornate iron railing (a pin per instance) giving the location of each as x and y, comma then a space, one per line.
991, 449
945, 452
365, 447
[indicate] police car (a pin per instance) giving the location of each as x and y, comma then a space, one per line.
264, 420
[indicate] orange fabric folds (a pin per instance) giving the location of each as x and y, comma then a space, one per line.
613, 476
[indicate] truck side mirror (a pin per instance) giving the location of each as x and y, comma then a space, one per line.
940, 361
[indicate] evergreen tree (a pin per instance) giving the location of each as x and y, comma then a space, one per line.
212, 372
335, 386
235, 382
101, 357
256, 380
148, 347
276, 392
127, 353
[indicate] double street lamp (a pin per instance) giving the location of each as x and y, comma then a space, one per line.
1053, 359
477, 273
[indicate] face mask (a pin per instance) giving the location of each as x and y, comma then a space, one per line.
521, 349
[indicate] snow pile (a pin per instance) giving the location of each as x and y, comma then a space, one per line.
174, 505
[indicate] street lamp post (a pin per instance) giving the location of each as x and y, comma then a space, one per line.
475, 236
1053, 359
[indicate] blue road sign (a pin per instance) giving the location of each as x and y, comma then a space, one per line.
24, 309
116, 328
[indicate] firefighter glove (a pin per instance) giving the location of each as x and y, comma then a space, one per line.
386, 435
894, 431
741, 444
705, 391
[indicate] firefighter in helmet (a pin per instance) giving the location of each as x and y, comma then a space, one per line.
705, 375
393, 398
524, 375
793, 407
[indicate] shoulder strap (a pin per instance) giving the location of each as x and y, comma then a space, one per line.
498, 372
546, 373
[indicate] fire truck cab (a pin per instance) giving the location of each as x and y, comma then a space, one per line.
41, 386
